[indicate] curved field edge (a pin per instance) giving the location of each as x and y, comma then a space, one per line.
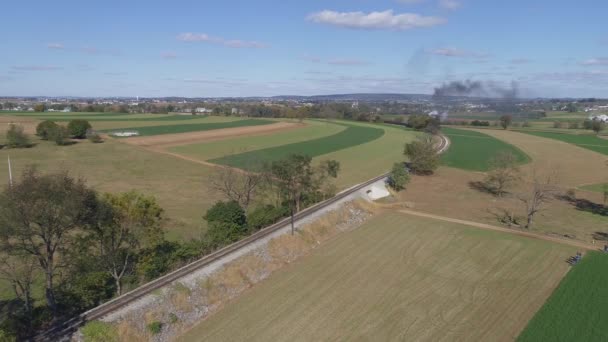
240, 144
353, 135
470, 150
185, 128
578, 308
586, 141
398, 278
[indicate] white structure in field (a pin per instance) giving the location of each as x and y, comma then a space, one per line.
601, 117
125, 134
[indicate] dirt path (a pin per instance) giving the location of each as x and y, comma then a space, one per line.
501, 229
171, 140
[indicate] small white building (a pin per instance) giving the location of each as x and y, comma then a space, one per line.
202, 110
601, 117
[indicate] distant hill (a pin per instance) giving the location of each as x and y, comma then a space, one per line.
366, 97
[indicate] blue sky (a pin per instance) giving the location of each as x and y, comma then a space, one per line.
259, 48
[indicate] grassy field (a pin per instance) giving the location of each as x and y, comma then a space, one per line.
398, 278
588, 141
193, 127
236, 145
353, 135
578, 309
595, 187
474, 150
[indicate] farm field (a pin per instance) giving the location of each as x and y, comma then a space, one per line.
578, 308
470, 150
587, 141
193, 127
399, 278
353, 135
360, 158
594, 187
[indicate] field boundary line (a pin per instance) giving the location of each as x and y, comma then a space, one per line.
500, 229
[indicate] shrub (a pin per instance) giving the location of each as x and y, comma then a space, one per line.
97, 331
45, 128
399, 177
78, 128
93, 137
60, 136
422, 155
155, 327
480, 123
573, 125
16, 137
173, 318
264, 216
557, 124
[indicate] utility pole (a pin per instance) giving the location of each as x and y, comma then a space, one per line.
10, 172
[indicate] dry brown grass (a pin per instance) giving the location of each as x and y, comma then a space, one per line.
130, 332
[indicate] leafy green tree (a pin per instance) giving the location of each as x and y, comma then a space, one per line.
399, 177
422, 154
227, 222
45, 129
506, 121
39, 107
571, 108
18, 270
60, 135
597, 126
39, 216
78, 128
16, 137
125, 223
266, 215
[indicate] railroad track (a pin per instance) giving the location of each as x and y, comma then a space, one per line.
63, 330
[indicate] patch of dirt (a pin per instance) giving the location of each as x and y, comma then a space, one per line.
29, 124
171, 140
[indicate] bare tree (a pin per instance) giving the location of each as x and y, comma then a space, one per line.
236, 185
504, 172
541, 192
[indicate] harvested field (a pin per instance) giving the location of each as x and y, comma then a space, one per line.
577, 310
575, 166
171, 140
399, 278
192, 127
29, 124
586, 141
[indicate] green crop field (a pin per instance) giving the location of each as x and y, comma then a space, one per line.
471, 150
578, 309
588, 141
193, 127
595, 187
353, 135
401, 278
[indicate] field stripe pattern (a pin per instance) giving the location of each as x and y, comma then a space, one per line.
587, 141
172, 129
352, 136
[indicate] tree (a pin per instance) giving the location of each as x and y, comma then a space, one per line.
39, 107
18, 270
294, 176
16, 137
571, 108
78, 128
422, 154
39, 217
227, 223
399, 177
506, 121
237, 185
540, 194
125, 223
597, 126
60, 135
45, 129
503, 173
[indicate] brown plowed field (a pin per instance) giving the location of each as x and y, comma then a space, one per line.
170, 140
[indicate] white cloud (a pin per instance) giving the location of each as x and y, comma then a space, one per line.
386, 20
596, 61
36, 67
233, 43
56, 46
450, 4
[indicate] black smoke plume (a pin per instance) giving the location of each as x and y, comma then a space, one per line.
476, 89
